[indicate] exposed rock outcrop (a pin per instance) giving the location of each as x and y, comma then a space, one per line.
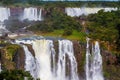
19, 59
79, 51
12, 57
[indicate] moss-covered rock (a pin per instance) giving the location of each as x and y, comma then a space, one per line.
11, 56
10, 51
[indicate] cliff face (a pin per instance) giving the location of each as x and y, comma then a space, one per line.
111, 65
6, 63
111, 62
31, 49
19, 59
79, 51
12, 57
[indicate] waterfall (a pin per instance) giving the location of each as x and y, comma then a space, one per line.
32, 14
66, 50
93, 63
46, 57
76, 12
87, 68
51, 65
42, 50
30, 62
4, 14
97, 63
2, 26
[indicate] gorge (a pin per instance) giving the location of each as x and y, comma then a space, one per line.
58, 63
61, 57
61, 65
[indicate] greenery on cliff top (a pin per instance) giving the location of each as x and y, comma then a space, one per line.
9, 70
11, 50
105, 26
57, 23
59, 3
7, 55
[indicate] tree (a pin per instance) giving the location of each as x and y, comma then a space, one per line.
67, 32
105, 26
14, 75
8, 1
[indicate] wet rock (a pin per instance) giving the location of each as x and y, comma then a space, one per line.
19, 59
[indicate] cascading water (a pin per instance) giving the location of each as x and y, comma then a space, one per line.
50, 65
32, 14
87, 65
66, 50
76, 12
93, 63
2, 26
45, 55
42, 50
4, 15
97, 63
30, 62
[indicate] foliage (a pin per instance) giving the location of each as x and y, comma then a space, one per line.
7, 1
56, 19
7, 53
111, 72
67, 32
105, 26
62, 3
15, 75
44, 26
11, 50
3, 43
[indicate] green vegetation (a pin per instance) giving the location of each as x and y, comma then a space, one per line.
111, 72
102, 26
56, 19
7, 54
105, 27
59, 3
111, 66
59, 33
57, 23
3, 43
7, 1
11, 50
15, 75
